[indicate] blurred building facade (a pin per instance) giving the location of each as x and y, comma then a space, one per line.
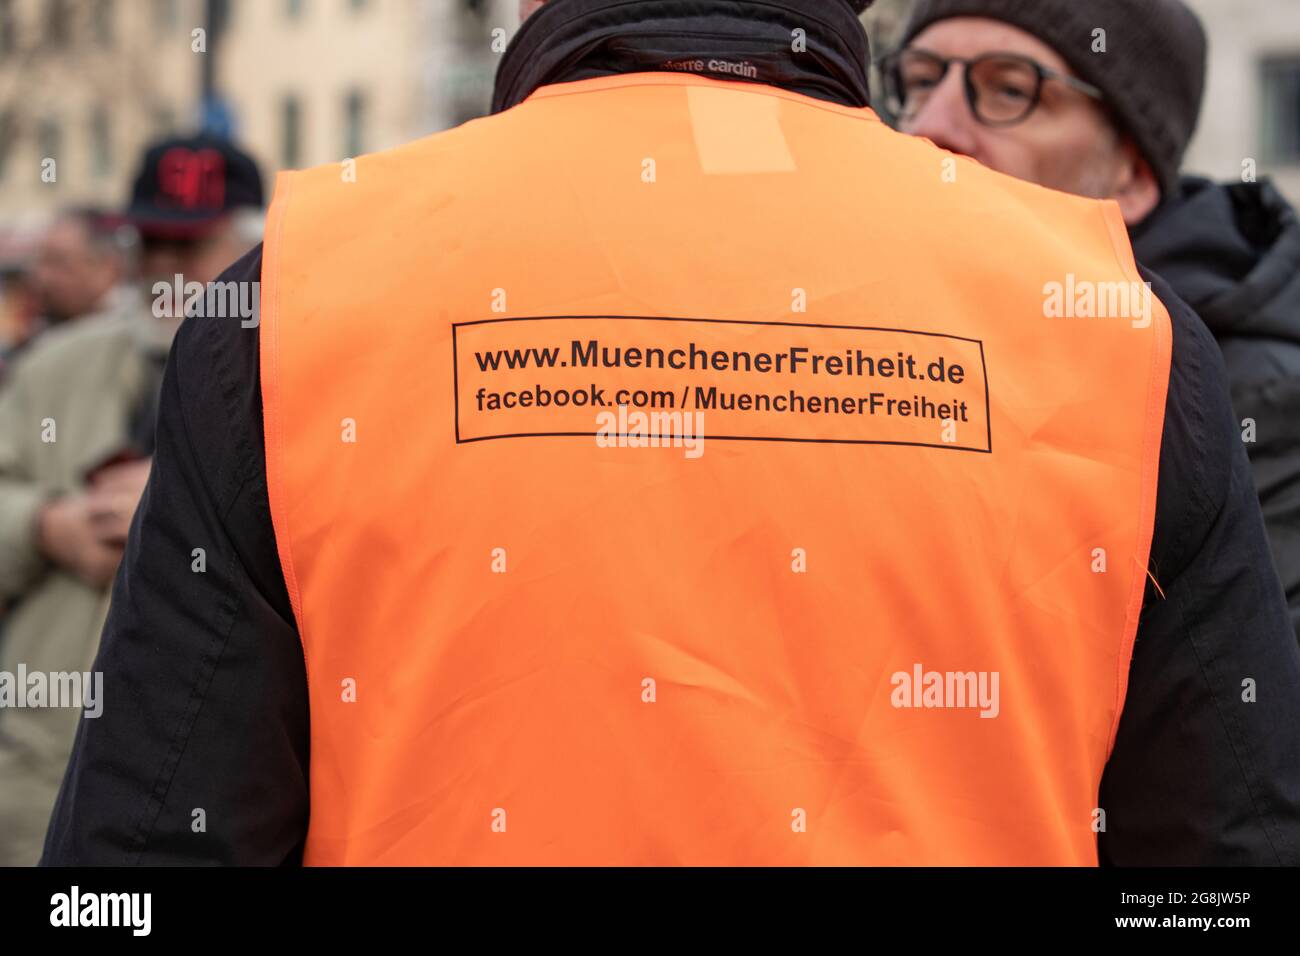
1252, 101
83, 82
300, 82
303, 82
316, 81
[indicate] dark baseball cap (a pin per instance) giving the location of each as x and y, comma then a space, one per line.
186, 184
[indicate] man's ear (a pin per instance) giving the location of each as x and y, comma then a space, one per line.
1136, 188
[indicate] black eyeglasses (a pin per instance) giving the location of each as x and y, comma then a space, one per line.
1002, 89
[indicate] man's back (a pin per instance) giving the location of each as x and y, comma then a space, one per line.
875, 390
709, 642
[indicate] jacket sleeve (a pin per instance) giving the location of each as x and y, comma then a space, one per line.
1272, 407
20, 496
1206, 764
200, 754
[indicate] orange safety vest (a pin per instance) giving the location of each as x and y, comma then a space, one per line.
882, 614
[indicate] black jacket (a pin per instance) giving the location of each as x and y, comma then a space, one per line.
1233, 254
206, 696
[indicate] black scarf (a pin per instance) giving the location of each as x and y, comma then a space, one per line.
570, 40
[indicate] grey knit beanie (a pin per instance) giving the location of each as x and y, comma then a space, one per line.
1152, 71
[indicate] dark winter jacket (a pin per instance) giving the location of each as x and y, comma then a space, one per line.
1233, 254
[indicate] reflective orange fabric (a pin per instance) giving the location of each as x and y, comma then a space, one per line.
527, 644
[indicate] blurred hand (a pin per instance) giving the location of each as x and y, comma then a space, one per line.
67, 536
114, 495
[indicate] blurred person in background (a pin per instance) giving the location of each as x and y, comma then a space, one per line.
79, 264
1025, 88
76, 437
18, 311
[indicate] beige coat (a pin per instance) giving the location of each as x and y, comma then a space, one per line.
78, 384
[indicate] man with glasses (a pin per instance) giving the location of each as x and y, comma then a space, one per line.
988, 89
1101, 100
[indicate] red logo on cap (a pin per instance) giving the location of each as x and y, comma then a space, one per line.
193, 179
